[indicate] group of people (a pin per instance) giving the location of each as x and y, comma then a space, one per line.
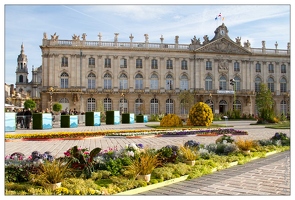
24, 118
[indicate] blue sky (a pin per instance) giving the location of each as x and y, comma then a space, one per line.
26, 24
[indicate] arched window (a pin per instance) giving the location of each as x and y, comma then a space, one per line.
169, 82
154, 106
270, 84
154, 82
169, 106
139, 106
21, 79
184, 82
123, 82
91, 104
91, 81
107, 104
237, 105
107, 81
183, 108
283, 85
222, 83
257, 84
283, 106
208, 83
123, 105
138, 81
64, 80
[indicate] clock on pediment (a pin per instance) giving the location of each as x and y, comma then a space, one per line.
222, 32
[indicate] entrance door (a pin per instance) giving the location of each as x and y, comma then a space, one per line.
222, 106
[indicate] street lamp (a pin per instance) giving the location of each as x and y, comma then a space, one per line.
123, 101
233, 83
51, 90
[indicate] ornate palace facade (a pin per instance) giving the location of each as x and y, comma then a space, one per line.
144, 77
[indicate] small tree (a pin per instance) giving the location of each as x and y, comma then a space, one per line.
265, 103
186, 99
57, 107
30, 104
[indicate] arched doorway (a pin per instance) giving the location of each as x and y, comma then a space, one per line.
222, 106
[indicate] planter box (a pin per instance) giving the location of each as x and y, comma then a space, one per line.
113, 117
128, 118
92, 119
10, 122
141, 118
42, 121
69, 121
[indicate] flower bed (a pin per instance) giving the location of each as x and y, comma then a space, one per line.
110, 171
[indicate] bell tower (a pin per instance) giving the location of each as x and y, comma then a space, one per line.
21, 71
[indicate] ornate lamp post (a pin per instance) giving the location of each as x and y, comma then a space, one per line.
123, 101
233, 83
51, 90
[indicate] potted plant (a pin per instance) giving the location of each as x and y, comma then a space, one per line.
188, 154
51, 174
143, 164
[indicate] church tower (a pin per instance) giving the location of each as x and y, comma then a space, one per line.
21, 71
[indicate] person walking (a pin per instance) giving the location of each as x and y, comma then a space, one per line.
28, 118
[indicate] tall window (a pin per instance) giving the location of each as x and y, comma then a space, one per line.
183, 109
237, 105
222, 83
138, 106
270, 84
107, 81
283, 85
184, 65
138, 63
154, 82
257, 84
169, 106
64, 61
208, 65
236, 66
123, 63
124, 105
91, 62
91, 104
237, 83
169, 64
154, 64
64, 80
184, 82
258, 67
138, 81
270, 68
283, 107
154, 106
107, 104
123, 81
91, 81
283, 68
107, 63
21, 79
64, 100
208, 83
169, 82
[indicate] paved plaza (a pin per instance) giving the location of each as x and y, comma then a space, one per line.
266, 176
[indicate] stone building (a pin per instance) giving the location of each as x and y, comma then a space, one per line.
144, 77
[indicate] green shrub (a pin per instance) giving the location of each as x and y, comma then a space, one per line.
89, 119
65, 121
37, 121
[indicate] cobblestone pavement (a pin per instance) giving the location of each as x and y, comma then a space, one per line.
267, 176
